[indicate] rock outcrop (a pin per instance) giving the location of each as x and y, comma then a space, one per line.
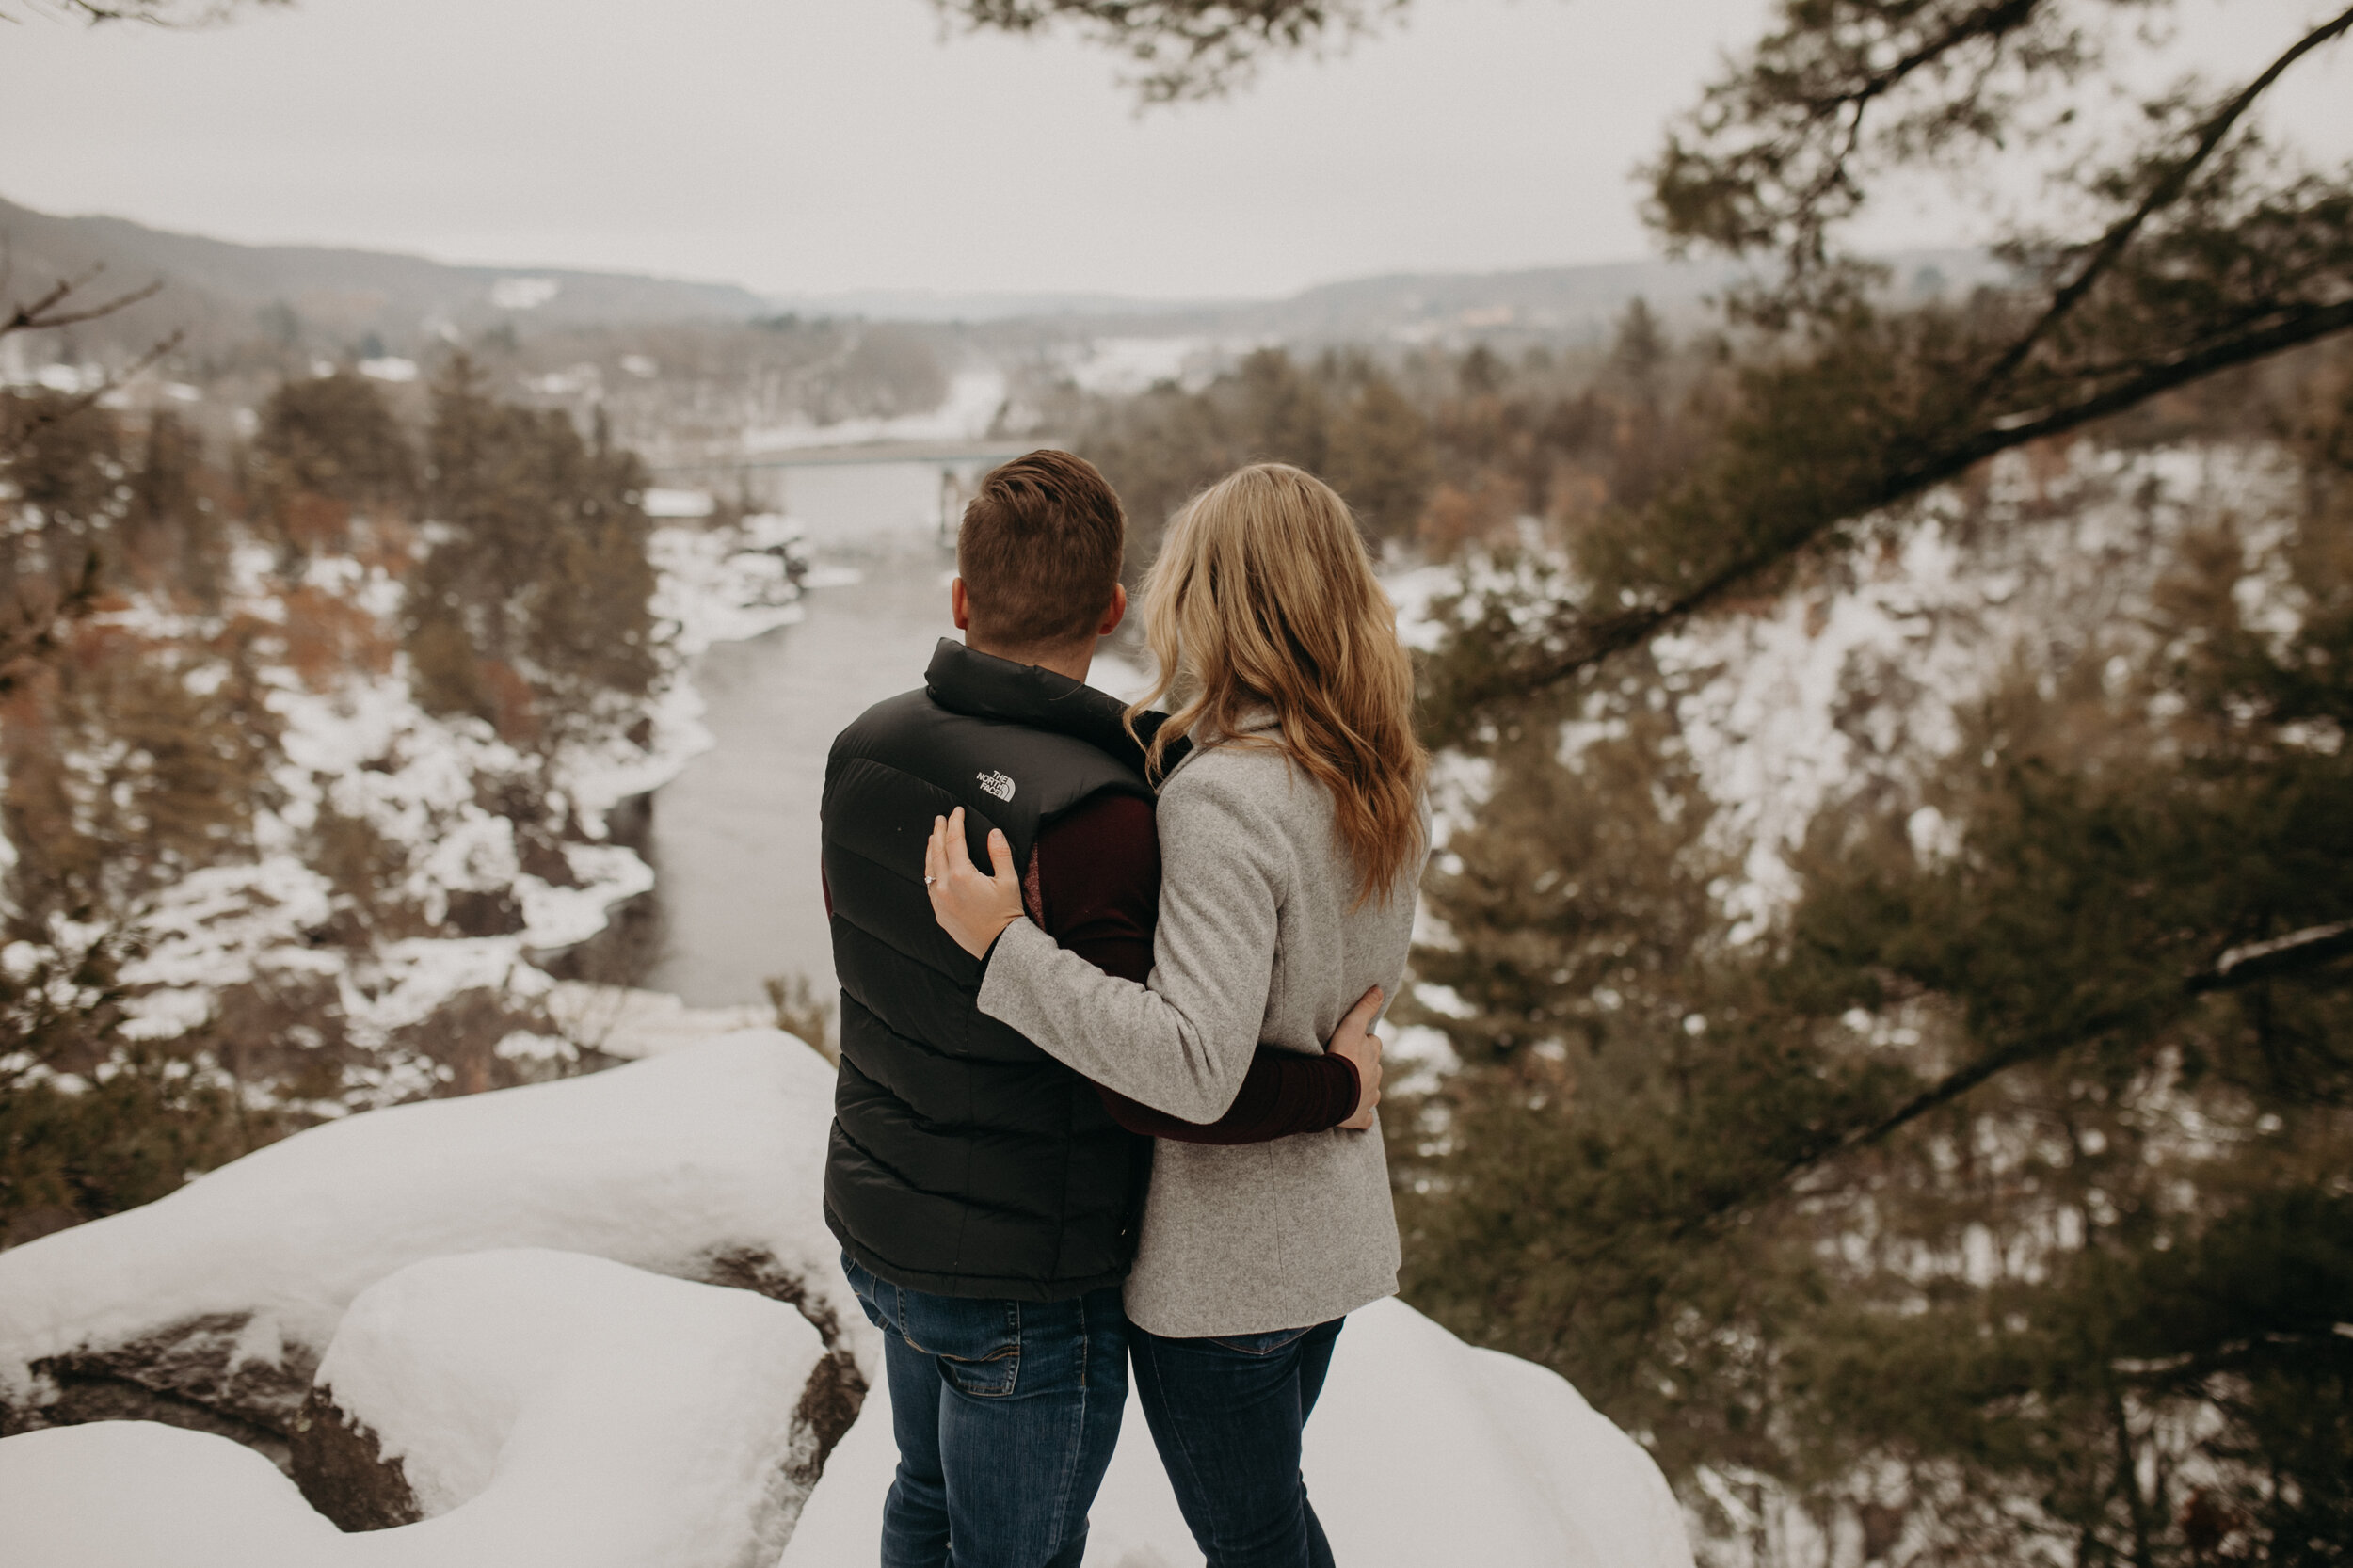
479, 1411
211, 1308
601, 1322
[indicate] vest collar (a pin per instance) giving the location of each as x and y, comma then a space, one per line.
983, 686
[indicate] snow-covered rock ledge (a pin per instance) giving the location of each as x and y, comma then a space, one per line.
484, 1331
214, 1307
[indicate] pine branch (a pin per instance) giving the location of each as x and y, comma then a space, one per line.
2292, 953
2163, 194
2297, 952
1594, 641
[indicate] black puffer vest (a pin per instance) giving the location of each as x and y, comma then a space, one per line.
965, 1161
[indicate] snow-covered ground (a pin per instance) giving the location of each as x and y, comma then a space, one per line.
974, 396
524, 1406
566, 1404
228, 1291
1423, 1451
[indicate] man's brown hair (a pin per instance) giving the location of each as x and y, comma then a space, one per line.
1040, 549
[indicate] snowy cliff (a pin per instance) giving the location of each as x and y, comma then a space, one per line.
486, 1330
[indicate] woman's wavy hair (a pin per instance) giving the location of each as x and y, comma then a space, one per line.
1262, 596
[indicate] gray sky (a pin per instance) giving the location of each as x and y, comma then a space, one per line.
817, 145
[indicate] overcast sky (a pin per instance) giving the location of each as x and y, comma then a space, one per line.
817, 145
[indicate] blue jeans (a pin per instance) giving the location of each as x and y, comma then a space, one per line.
1226, 1414
1006, 1413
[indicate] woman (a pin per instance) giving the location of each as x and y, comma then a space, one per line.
1292, 839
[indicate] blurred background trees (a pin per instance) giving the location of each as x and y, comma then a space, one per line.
2013, 1170
529, 607
165, 602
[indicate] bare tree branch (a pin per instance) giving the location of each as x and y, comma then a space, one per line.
43, 313
2298, 953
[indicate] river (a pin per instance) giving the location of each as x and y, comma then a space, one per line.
734, 837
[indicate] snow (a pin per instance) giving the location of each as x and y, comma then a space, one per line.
524, 294
661, 502
623, 1022
550, 1406
1868, 679
466, 1274
543, 1406
1423, 1451
713, 586
131, 1493
1117, 366
1864, 674
974, 396
354, 742
661, 1164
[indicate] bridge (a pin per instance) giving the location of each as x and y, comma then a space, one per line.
943, 451
953, 459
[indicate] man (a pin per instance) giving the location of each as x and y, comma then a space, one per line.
986, 1196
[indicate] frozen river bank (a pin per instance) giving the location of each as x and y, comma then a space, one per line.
734, 836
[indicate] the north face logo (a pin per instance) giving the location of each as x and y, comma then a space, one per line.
997, 784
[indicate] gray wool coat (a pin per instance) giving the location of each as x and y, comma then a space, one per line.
1256, 941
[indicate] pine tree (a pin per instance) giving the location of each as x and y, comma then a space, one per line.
1380, 459
1994, 1198
532, 608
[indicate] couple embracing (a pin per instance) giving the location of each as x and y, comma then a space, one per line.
1108, 982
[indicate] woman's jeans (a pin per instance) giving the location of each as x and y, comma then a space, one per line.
1006, 1413
1227, 1414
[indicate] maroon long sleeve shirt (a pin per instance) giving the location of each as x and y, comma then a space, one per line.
1094, 885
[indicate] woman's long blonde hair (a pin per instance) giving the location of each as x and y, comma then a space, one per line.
1262, 596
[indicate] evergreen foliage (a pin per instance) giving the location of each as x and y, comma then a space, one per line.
61, 462
530, 608
140, 742
1436, 452
1997, 1198
89, 1124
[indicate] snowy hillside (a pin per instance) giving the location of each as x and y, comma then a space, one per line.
452, 1321
466, 886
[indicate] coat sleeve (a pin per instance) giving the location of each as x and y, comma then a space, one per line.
1182, 1042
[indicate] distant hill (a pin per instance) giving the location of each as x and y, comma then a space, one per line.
1578, 304
221, 292
341, 302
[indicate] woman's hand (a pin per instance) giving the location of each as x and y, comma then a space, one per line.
1355, 1040
972, 908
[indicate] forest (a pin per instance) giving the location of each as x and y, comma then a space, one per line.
220, 925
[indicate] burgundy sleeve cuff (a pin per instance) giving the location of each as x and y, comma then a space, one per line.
1348, 1083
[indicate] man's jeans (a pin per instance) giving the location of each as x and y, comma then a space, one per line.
1006, 1413
1227, 1414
